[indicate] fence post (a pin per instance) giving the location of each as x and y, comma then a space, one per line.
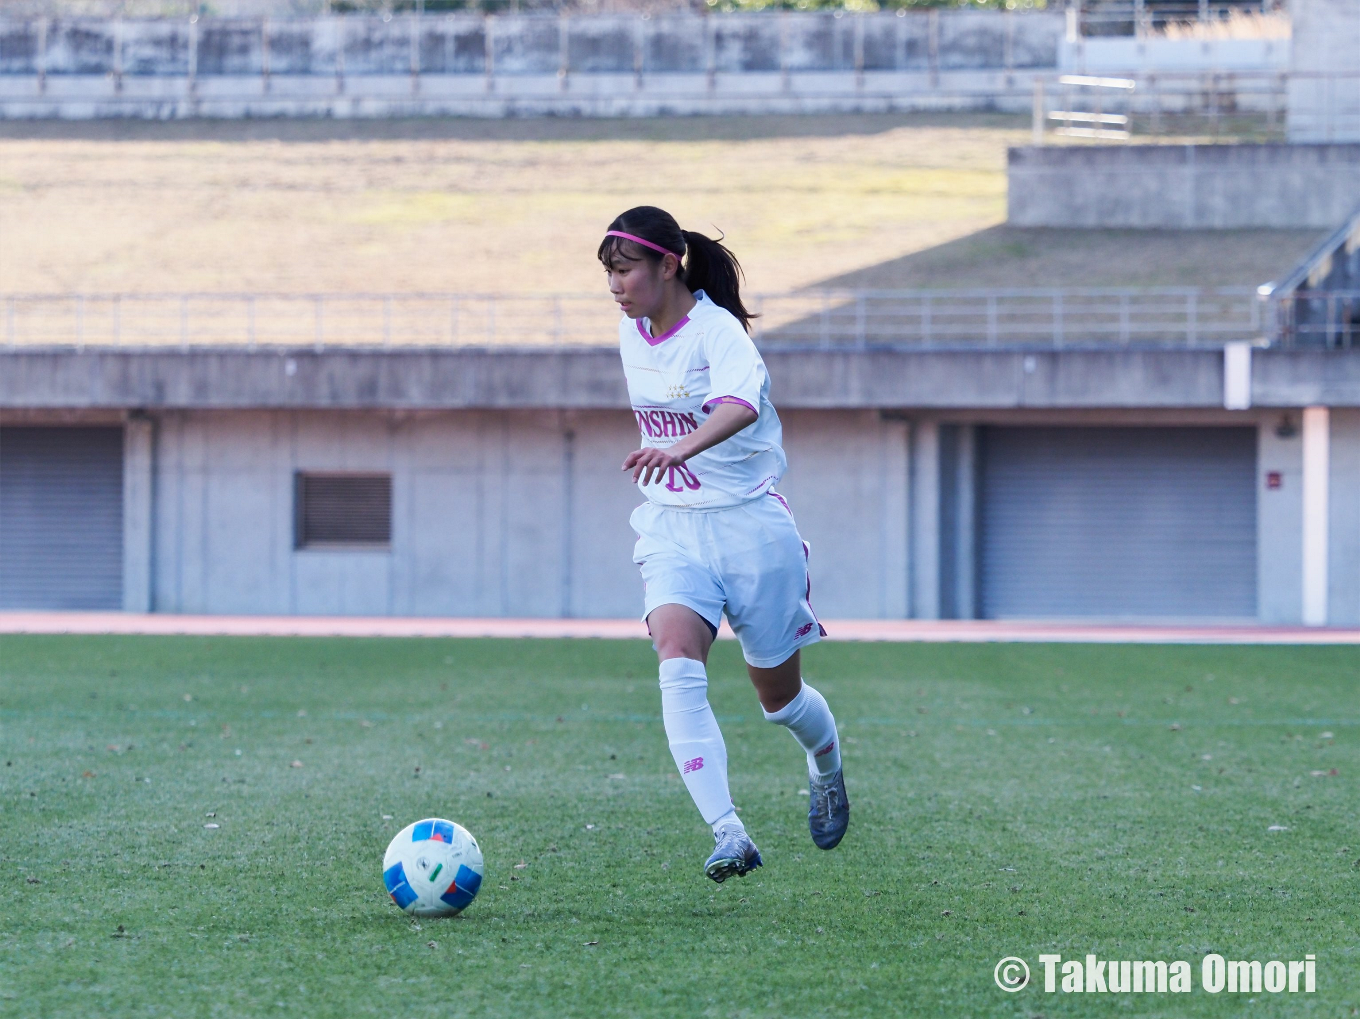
42, 56
637, 52
118, 320
184, 323
387, 321
264, 53
933, 45
859, 51
250, 321
118, 56
338, 31
319, 324
1037, 124
415, 49
784, 79
488, 25
563, 50
191, 83
710, 53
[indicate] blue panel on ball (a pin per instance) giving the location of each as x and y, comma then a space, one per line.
443, 831
394, 877
464, 888
422, 831
469, 878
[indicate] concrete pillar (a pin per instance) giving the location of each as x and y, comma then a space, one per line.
1237, 375
895, 541
964, 483
1343, 526
139, 458
1316, 476
1279, 520
925, 520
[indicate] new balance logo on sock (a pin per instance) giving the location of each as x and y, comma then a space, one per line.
826, 749
694, 764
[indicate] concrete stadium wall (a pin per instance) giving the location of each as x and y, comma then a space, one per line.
521, 513
1183, 186
1133, 56
523, 64
508, 500
515, 513
1324, 95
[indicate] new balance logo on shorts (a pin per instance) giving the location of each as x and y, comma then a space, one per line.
694, 764
804, 630
826, 749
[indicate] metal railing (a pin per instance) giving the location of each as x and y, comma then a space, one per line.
1058, 317
1142, 17
855, 319
1311, 105
1320, 319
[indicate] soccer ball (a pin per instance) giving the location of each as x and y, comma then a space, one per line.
433, 868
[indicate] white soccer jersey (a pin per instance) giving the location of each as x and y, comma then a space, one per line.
674, 382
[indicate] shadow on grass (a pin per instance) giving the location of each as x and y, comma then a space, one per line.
1005, 257
1010, 256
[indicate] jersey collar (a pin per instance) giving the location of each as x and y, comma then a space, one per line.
654, 341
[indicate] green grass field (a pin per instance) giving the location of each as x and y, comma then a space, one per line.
1008, 800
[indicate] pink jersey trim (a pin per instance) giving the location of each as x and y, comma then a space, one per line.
654, 340
707, 408
640, 240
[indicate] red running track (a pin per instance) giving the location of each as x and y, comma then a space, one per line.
967, 631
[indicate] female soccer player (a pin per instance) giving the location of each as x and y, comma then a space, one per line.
713, 533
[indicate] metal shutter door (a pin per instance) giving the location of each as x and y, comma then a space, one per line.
61, 518
1118, 522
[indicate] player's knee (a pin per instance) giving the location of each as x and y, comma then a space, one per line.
678, 646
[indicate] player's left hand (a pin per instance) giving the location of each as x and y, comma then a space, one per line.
642, 462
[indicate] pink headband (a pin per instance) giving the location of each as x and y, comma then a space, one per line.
640, 240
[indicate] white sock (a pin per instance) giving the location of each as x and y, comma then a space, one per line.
809, 719
730, 821
696, 742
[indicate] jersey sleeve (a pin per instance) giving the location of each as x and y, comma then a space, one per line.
736, 372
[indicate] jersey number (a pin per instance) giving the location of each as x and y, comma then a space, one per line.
688, 479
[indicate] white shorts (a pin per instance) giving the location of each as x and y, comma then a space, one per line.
747, 559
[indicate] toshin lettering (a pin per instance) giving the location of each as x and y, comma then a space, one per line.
665, 424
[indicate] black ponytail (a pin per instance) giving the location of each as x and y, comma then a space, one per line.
708, 264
